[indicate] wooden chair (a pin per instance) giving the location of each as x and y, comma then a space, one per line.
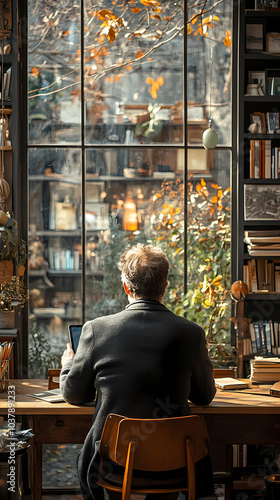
53, 378
152, 445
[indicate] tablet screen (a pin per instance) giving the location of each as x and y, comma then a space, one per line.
74, 334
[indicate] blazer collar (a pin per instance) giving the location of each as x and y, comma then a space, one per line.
144, 304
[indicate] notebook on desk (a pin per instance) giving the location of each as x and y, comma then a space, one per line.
230, 383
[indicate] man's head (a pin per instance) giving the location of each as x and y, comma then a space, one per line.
144, 272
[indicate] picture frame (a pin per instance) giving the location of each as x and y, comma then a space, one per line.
261, 202
272, 81
258, 77
254, 37
273, 43
272, 118
259, 118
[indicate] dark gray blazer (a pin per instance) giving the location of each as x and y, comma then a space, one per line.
144, 362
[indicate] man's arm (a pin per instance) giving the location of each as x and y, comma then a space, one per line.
203, 387
77, 375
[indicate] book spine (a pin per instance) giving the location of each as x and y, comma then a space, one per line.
258, 337
253, 339
263, 339
267, 159
252, 159
268, 337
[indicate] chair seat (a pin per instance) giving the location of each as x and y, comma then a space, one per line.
173, 480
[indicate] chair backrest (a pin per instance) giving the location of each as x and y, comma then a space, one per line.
224, 372
160, 444
53, 378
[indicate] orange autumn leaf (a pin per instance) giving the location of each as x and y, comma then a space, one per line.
220, 207
227, 39
106, 79
215, 199
117, 78
150, 80
35, 71
212, 211
199, 31
129, 67
194, 18
150, 3
202, 182
149, 59
220, 192
167, 18
156, 16
111, 79
153, 93
138, 54
101, 39
198, 187
135, 10
106, 14
160, 80
155, 85
227, 190
215, 186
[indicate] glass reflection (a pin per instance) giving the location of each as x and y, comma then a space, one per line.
55, 249
139, 198
54, 76
209, 74
133, 72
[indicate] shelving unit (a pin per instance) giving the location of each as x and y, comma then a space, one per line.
254, 60
257, 306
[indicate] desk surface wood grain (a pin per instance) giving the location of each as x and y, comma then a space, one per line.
253, 400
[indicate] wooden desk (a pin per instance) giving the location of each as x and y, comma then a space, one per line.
232, 418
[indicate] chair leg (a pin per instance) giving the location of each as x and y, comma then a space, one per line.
191, 470
128, 471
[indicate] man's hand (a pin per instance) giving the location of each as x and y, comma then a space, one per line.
68, 354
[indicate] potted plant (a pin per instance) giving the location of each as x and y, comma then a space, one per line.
13, 250
13, 294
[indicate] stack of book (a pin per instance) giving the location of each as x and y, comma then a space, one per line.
263, 243
262, 275
265, 370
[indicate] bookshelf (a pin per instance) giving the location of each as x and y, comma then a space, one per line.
259, 172
258, 183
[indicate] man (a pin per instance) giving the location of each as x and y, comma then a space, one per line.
144, 362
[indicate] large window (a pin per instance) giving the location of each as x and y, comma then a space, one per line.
119, 95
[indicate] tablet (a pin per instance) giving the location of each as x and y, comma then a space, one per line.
74, 335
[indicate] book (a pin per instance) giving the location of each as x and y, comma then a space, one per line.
253, 339
230, 383
267, 232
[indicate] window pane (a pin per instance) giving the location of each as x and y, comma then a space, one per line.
55, 253
208, 250
137, 198
133, 72
209, 75
54, 76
